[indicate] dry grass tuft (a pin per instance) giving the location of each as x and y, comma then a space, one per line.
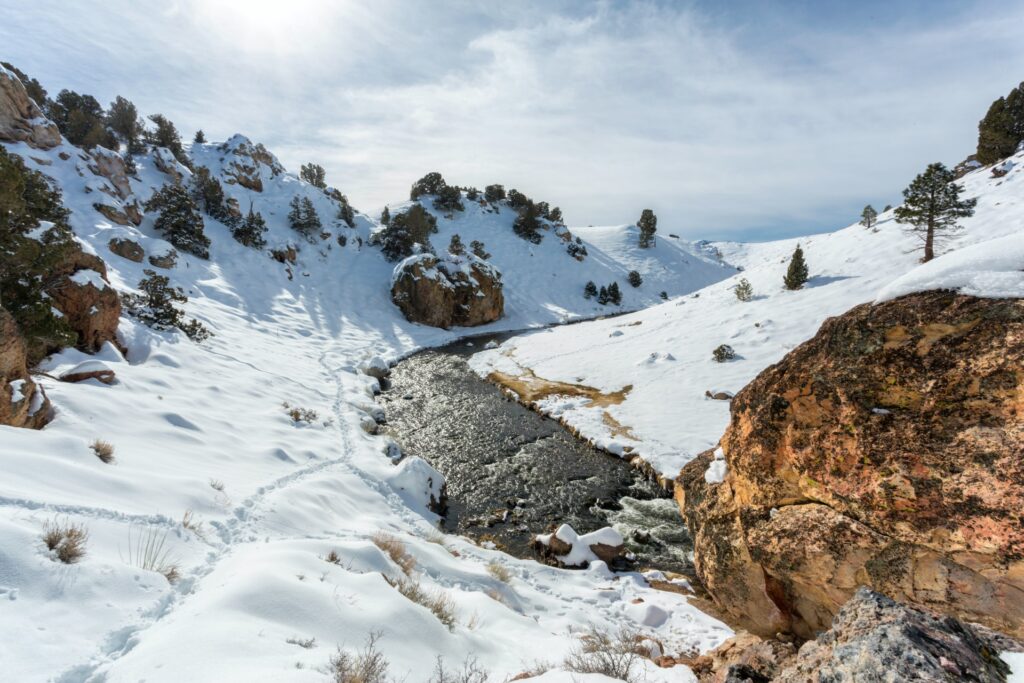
333, 557
499, 571
437, 602
395, 549
190, 522
300, 414
65, 539
148, 551
614, 654
365, 666
103, 450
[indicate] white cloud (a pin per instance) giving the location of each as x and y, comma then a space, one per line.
719, 124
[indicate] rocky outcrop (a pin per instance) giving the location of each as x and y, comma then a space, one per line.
165, 259
123, 207
86, 300
22, 402
459, 291
566, 548
872, 638
245, 161
21, 120
883, 452
126, 248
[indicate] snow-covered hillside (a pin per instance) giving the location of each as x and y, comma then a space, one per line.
201, 434
665, 353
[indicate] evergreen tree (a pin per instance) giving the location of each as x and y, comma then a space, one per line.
200, 137
648, 225
346, 213
527, 224
432, 183
614, 295
303, 218
449, 198
634, 278
455, 246
472, 194
28, 256
155, 307
166, 135
796, 274
576, 249
555, 215
664, 295
888, 207
868, 217
251, 230
932, 207
209, 195
406, 230
179, 220
385, 216
314, 174
744, 290
123, 119
80, 119
602, 296
479, 250
590, 290
494, 193
1002, 128
517, 200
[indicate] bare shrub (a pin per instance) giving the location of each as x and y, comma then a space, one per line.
333, 557
499, 571
103, 450
307, 643
395, 549
614, 654
190, 522
148, 550
65, 539
437, 602
300, 414
367, 665
470, 672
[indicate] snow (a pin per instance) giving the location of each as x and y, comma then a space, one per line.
717, 468
89, 277
665, 417
1016, 662
580, 554
201, 428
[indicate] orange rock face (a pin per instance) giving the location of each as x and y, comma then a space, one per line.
91, 309
436, 293
22, 401
21, 120
885, 452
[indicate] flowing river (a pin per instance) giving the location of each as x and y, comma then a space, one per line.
513, 473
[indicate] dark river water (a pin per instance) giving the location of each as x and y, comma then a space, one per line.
513, 473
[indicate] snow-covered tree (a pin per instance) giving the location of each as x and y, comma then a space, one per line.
155, 307
932, 206
455, 245
868, 217
251, 230
479, 249
648, 225
744, 290
179, 220
796, 274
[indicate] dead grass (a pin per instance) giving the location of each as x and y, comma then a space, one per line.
395, 549
300, 414
148, 550
437, 602
617, 428
499, 571
614, 654
531, 388
66, 540
469, 672
367, 665
103, 450
333, 557
190, 522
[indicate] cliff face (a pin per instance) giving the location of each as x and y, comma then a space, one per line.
885, 452
460, 291
21, 120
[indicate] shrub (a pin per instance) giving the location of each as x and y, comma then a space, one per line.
365, 666
166, 135
590, 290
614, 295
103, 450
346, 213
314, 174
472, 194
555, 215
723, 353
615, 655
405, 230
527, 224
663, 295
449, 198
301, 414
494, 193
479, 250
648, 225
517, 200
385, 216
470, 672
303, 218
432, 183
333, 557
796, 274
190, 522
80, 119
304, 643
217, 485
66, 540
744, 290
437, 602
395, 549
455, 246
250, 230
155, 307
634, 278
576, 249
179, 220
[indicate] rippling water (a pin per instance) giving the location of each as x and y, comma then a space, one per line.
512, 473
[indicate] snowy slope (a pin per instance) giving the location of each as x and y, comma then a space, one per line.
665, 352
202, 428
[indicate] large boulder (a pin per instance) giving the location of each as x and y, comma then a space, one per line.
21, 120
85, 298
886, 452
22, 402
458, 291
246, 163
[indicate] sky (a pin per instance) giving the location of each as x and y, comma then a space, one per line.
731, 120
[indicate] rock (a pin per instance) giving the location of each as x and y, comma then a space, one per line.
165, 162
723, 353
110, 165
566, 548
21, 119
114, 214
91, 369
126, 248
744, 657
87, 301
166, 260
23, 403
874, 638
884, 452
375, 367
286, 255
460, 291
719, 395
246, 163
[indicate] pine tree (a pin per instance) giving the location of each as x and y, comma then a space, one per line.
868, 217
932, 207
123, 119
744, 290
155, 307
80, 119
614, 295
555, 215
517, 200
406, 230
179, 220
472, 194
385, 216
303, 218
449, 198
648, 225
1002, 128
455, 246
664, 295
251, 230
634, 278
345, 211
166, 135
602, 296
590, 290
888, 207
494, 193
314, 174
200, 137
796, 274
209, 195
527, 224
479, 250
432, 183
